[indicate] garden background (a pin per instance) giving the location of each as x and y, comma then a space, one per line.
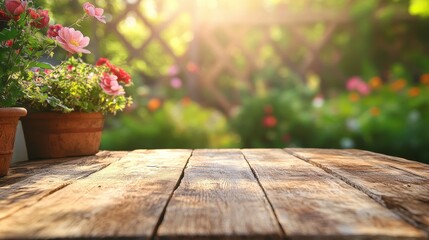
266, 73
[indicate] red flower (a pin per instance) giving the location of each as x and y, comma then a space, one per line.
15, 7
53, 30
269, 121
9, 43
41, 18
122, 75
4, 16
103, 61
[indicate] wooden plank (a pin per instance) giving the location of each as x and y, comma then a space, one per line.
219, 198
311, 203
125, 199
402, 191
22, 170
414, 167
37, 179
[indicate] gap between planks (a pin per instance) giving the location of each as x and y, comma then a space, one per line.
255, 175
154, 235
378, 199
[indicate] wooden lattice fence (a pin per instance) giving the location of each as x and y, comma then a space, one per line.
227, 48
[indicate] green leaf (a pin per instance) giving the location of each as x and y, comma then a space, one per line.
7, 34
41, 65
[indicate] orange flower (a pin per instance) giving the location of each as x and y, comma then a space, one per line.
375, 82
375, 111
414, 92
398, 85
424, 79
186, 101
154, 104
354, 97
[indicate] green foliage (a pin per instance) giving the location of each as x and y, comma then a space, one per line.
392, 119
71, 86
21, 45
174, 125
274, 120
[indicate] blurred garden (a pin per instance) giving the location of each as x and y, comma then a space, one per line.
266, 73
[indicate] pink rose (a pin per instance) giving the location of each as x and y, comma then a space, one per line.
72, 40
15, 7
94, 12
109, 83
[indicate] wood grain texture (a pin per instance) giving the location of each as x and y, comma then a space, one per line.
125, 199
311, 203
400, 186
39, 179
417, 168
220, 198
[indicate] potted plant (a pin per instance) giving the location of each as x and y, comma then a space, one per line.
66, 107
21, 45
66, 102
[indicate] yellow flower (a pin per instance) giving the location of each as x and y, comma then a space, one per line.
375, 82
414, 92
398, 85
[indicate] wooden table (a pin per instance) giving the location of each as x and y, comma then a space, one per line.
218, 194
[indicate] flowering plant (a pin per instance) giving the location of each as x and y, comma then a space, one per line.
73, 85
76, 86
21, 45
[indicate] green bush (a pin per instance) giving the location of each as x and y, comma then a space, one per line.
392, 119
172, 125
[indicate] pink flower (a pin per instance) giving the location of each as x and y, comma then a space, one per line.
94, 12
173, 70
72, 40
176, 82
15, 7
357, 84
53, 30
109, 83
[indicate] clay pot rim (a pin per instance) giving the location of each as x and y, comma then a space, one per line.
71, 115
12, 112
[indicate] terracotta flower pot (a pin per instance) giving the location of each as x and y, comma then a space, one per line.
8, 121
55, 135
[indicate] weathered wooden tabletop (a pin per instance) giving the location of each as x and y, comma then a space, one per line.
218, 194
